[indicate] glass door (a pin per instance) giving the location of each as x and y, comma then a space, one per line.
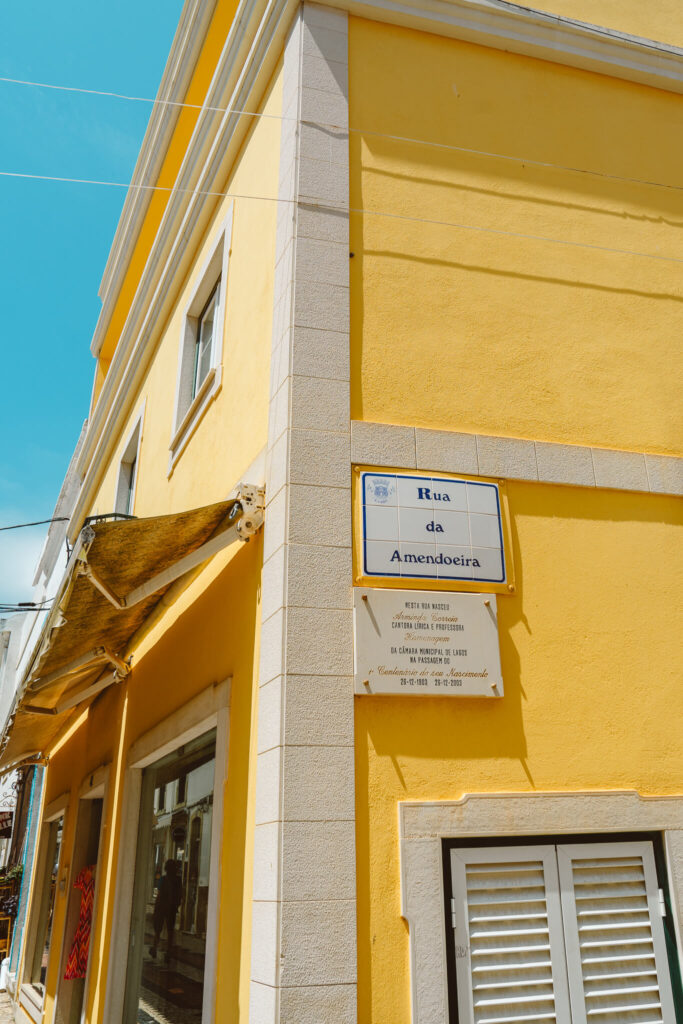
166, 962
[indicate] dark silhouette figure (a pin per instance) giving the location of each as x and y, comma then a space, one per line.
169, 898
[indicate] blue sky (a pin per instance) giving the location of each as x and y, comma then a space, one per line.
54, 237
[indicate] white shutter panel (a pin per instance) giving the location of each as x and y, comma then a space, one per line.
616, 953
508, 937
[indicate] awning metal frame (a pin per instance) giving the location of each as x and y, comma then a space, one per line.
76, 698
251, 503
90, 660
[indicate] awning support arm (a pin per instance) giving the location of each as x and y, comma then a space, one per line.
85, 661
76, 698
85, 569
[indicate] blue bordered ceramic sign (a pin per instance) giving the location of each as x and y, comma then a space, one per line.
432, 528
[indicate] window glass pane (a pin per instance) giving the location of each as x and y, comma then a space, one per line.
205, 331
166, 963
47, 906
128, 510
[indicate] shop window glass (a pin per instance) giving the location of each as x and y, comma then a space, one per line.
41, 949
167, 950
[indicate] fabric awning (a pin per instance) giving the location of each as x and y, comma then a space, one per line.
118, 571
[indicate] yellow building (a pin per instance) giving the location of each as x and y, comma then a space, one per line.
426, 298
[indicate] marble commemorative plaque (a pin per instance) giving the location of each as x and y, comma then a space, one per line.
426, 642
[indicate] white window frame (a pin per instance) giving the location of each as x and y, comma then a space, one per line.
423, 826
189, 409
29, 1000
129, 463
208, 710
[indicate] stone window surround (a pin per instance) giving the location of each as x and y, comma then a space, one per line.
189, 410
423, 825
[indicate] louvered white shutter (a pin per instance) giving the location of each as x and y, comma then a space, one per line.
510, 963
616, 953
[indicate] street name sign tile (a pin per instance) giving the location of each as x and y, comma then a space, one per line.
431, 528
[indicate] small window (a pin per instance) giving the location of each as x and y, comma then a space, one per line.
128, 473
566, 932
181, 790
206, 328
201, 343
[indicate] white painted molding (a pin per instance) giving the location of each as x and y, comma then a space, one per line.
180, 66
95, 782
244, 69
182, 726
188, 411
443, 451
56, 808
422, 826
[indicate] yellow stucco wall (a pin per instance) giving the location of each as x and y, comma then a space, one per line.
466, 329
591, 701
462, 329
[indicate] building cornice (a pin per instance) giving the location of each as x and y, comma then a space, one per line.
508, 26
187, 45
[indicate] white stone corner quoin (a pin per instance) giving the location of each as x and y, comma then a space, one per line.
423, 826
303, 964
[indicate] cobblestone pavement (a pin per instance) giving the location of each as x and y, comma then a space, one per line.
6, 1016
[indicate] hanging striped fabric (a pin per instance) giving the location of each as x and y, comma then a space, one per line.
77, 961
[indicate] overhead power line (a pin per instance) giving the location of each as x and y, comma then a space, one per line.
343, 209
24, 606
526, 161
38, 522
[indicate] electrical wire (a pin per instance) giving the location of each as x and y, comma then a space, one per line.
11, 610
25, 606
526, 161
38, 522
358, 210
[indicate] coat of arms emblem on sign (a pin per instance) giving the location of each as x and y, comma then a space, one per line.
382, 489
